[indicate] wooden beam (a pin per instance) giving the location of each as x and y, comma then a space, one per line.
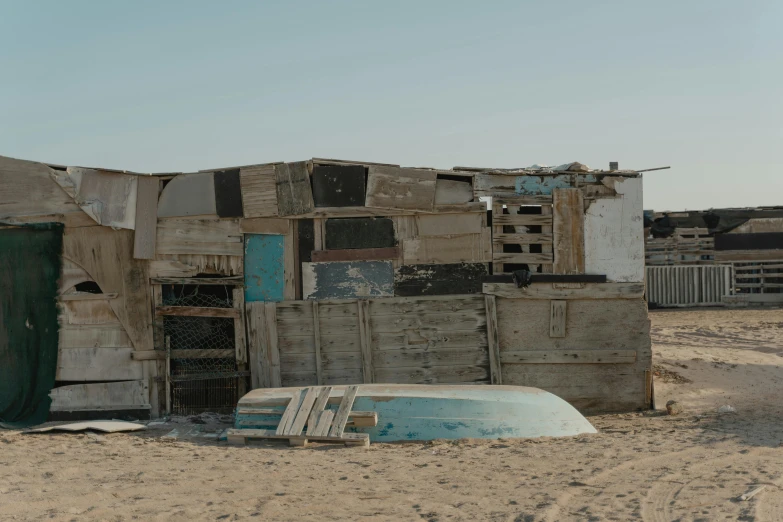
568, 231
522, 258
87, 297
274, 226
522, 219
195, 311
226, 281
496, 376
365, 336
240, 343
158, 355
569, 357
146, 217
522, 239
319, 374
557, 318
341, 417
546, 291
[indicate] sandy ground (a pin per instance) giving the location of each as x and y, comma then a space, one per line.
640, 466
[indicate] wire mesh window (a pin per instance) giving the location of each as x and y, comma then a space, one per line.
208, 379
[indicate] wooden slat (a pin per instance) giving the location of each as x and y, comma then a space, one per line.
396, 188
240, 342
87, 297
158, 355
444, 224
522, 239
290, 412
324, 423
97, 364
522, 258
365, 336
199, 236
568, 357
146, 218
195, 311
522, 219
274, 352
273, 226
289, 263
223, 281
341, 417
294, 194
478, 207
124, 395
304, 412
546, 291
357, 254
496, 376
546, 267
318, 408
568, 231
557, 318
317, 343
258, 344
522, 200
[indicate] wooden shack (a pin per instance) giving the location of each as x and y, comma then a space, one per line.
716, 256
181, 291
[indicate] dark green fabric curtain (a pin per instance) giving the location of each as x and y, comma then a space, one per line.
30, 263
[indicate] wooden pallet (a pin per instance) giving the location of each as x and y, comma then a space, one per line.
308, 407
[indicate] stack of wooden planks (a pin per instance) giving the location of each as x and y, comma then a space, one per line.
307, 417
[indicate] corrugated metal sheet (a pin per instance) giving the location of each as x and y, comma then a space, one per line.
688, 285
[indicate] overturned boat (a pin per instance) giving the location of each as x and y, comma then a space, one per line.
404, 412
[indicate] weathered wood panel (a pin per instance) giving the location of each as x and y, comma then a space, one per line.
749, 255
595, 330
93, 311
259, 191
428, 279
347, 279
338, 185
27, 188
500, 185
146, 218
188, 195
355, 254
97, 364
396, 188
450, 192
126, 395
187, 265
294, 195
568, 231
347, 233
434, 375
557, 318
199, 237
107, 255
108, 198
468, 248
264, 267
228, 193
614, 234
449, 224
104, 335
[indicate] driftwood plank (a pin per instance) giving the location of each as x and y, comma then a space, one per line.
546, 291
568, 231
324, 423
195, 311
496, 375
274, 226
467, 248
341, 417
318, 409
294, 195
304, 412
405, 189
365, 339
146, 218
199, 236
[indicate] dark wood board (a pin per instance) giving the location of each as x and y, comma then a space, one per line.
306, 240
228, 193
338, 185
359, 233
760, 241
456, 278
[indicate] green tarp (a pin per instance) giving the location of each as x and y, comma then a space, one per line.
30, 262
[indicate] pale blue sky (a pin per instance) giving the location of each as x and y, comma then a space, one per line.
188, 85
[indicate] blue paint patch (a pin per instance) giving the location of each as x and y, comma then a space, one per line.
543, 185
412, 435
451, 426
264, 275
351, 279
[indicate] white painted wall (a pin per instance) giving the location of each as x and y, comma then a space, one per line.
614, 234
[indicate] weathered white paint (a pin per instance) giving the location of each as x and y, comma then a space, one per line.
614, 234
108, 198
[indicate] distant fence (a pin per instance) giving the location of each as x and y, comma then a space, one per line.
688, 285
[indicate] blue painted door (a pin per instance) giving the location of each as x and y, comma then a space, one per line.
264, 274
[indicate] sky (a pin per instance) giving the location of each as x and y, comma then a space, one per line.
162, 86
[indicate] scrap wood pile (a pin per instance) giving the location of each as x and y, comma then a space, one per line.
307, 418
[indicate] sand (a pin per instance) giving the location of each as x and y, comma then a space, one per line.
645, 466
